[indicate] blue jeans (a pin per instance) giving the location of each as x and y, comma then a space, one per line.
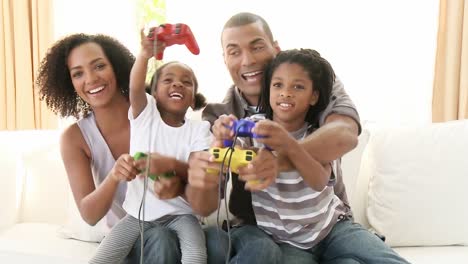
347, 243
249, 245
161, 246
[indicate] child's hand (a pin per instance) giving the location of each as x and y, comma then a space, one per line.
124, 169
158, 164
148, 49
273, 135
261, 172
168, 188
222, 129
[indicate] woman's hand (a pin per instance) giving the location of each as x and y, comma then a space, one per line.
124, 169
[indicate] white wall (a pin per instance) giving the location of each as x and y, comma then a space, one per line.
111, 17
382, 50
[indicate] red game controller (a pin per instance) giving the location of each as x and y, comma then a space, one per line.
172, 34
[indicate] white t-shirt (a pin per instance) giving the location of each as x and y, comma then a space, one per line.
176, 142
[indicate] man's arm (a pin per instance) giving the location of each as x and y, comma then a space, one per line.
202, 188
337, 136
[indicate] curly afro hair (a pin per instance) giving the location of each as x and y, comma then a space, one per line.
54, 81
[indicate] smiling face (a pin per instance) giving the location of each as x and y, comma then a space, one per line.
175, 89
247, 49
92, 75
291, 94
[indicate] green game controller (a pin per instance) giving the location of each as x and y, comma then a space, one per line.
154, 177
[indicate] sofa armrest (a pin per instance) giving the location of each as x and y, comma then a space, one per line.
10, 192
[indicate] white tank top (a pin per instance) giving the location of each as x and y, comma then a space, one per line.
102, 162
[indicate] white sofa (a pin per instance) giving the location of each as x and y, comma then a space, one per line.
410, 186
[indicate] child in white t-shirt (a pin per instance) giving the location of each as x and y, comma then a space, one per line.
158, 125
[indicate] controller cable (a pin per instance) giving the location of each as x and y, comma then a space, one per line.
141, 211
229, 152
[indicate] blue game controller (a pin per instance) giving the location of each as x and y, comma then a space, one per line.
243, 128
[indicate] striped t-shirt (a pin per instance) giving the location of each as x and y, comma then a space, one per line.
294, 213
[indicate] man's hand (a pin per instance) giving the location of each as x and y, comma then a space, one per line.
261, 172
221, 129
123, 169
198, 177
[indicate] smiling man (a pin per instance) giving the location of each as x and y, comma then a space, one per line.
248, 46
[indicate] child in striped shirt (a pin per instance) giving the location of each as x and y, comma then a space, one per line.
300, 207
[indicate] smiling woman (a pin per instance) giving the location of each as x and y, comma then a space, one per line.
92, 84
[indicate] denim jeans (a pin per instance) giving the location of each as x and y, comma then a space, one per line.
249, 245
161, 246
347, 243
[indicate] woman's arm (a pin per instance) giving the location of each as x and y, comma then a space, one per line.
93, 203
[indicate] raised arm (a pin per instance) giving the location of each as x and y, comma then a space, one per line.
138, 76
93, 203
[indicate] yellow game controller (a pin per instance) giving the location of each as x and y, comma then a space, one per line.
240, 157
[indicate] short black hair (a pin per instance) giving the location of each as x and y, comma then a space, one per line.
319, 70
54, 81
245, 18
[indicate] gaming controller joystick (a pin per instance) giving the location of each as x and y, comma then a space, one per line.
172, 34
154, 177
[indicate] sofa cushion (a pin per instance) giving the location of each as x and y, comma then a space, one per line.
45, 185
39, 243
46, 196
13, 145
418, 178
76, 228
434, 255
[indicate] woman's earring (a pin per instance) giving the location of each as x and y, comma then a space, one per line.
82, 106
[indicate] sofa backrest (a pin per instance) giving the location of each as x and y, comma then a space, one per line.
351, 166
36, 185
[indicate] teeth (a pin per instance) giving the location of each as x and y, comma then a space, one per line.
251, 74
96, 90
285, 105
176, 95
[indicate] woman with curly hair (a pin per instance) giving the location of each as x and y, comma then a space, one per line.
87, 77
